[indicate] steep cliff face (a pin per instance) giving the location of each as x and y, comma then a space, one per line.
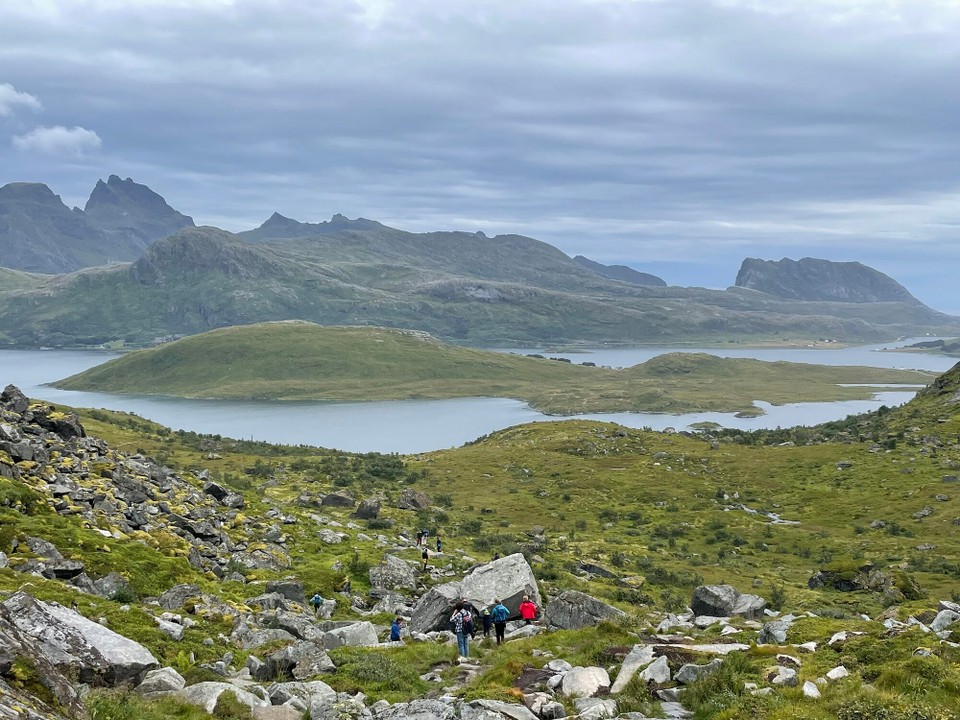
821, 280
132, 208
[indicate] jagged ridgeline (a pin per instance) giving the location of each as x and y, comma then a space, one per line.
181, 565
298, 361
463, 287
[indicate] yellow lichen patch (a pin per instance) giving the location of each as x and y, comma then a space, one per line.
26, 465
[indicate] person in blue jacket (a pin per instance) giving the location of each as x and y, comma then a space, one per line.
499, 614
395, 629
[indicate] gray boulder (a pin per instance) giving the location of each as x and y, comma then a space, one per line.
658, 671
393, 574
338, 499
585, 682
177, 596
509, 579
595, 708
368, 509
206, 694
411, 499
944, 619
290, 588
419, 710
356, 635
690, 672
725, 601
639, 657
434, 607
573, 610
67, 640
164, 679
494, 710
300, 660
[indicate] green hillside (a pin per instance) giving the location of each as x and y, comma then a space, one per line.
635, 519
300, 361
468, 289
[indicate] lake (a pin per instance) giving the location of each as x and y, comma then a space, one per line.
413, 426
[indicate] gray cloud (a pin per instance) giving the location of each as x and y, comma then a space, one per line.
10, 98
58, 140
685, 134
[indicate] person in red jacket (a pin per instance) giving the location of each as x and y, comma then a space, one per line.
528, 610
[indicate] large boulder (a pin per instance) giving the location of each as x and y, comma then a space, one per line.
639, 657
419, 710
368, 509
434, 607
573, 610
508, 578
393, 574
726, 600
356, 635
71, 642
411, 499
301, 660
585, 682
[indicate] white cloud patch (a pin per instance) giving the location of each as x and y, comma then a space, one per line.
10, 98
58, 140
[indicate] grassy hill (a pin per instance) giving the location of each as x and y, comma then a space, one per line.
649, 515
299, 361
469, 289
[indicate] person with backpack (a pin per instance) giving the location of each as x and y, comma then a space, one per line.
439, 545
499, 615
395, 629
317, 602
458, 624
468, 622
425, 555
528, 610
485, 618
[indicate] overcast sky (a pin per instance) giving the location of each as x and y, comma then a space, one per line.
675, 136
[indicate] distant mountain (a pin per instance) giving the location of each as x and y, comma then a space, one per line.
620, 272
824, 280
128, 207
461, 287
39, 233
278, 227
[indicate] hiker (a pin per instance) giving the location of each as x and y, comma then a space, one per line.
496, 556
439, 544
469, 626
395, 629
425, 555
317, 603
419, 538
458, 625
485, 618
499, 615
528, 610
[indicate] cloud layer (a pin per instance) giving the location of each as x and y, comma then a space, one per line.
678, 137
58, 140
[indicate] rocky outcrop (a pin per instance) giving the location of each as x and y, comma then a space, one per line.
49, 453
573, 610
393, 574
725, 601
821, 280
76, 645
411, 499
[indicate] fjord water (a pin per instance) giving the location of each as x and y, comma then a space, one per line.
422, 425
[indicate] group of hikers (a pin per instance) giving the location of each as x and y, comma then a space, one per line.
422, 542
464, 626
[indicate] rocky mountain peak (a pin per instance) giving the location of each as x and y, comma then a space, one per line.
813, 279
130, 206
29, 192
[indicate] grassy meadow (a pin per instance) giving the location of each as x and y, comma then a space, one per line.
303, 361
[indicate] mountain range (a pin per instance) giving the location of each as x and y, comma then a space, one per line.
462, 287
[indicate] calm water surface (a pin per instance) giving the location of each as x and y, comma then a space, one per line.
421, 425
